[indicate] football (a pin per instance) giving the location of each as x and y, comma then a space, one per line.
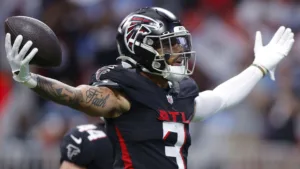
43, 38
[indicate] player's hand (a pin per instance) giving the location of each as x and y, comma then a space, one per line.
270, 55
15, 57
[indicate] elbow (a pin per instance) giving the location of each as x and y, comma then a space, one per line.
109, 110
104, 102
222, 96
212, 100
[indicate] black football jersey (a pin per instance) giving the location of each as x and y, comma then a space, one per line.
87, 146
154, 133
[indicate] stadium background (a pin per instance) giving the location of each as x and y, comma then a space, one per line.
263, 132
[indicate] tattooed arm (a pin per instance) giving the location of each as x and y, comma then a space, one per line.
95, 101
92, 100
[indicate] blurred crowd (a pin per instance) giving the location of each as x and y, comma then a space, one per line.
261, 132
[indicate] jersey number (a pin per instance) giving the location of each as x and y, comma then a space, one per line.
90, 129
175, 151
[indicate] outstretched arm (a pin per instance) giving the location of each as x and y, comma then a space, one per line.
228, 93
237, 88
57, 91
95, 101
92, 100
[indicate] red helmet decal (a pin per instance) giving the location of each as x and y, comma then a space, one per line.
138, 24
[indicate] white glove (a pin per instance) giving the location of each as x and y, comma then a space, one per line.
19, 65
270, 55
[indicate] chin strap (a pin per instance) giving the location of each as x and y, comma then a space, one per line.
175, 73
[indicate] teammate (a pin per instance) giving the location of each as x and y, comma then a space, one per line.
148, 107
86, 147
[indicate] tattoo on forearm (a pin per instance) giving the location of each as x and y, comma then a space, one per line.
59, 93
63, 94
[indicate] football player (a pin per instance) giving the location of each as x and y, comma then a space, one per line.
148, 106
86, 147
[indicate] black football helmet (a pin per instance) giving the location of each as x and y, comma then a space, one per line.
143, 32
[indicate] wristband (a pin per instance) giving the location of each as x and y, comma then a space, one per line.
31, 82
262, 69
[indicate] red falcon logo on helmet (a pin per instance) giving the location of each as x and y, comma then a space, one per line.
138, 24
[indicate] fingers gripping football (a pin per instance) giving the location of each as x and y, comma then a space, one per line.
18, 62
270, 55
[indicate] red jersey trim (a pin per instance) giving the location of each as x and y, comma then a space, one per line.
125, 154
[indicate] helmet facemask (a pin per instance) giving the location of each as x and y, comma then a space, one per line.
175, 59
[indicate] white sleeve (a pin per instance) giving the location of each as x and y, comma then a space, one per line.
228, 93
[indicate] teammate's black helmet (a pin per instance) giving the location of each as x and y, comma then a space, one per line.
143, 32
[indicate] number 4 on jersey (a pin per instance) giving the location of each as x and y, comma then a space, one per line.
90, 129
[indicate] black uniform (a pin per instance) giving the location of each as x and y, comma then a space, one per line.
87, 146
154, 134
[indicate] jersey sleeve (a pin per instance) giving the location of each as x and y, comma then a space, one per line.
97, 80
116, 76
188, 88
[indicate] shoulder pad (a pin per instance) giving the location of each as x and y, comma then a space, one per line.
188, 88
96, 77
116, 75
105, 70
107, 83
